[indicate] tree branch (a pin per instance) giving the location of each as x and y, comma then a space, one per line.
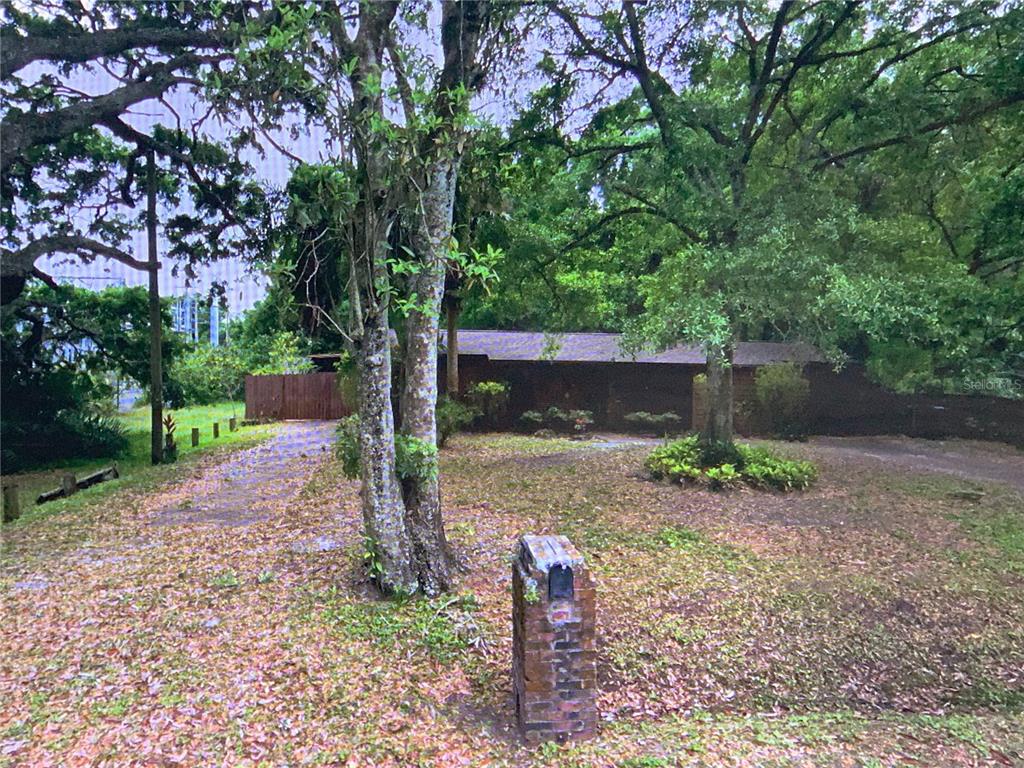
22, 262
26, 130
964, 117
77, 48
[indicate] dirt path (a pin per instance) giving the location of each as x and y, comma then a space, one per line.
984, 462
251, 484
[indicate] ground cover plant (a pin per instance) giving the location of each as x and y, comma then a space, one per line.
224, 615
724, 466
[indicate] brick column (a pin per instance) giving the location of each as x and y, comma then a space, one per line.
554, 670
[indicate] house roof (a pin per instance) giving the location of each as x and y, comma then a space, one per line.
604, 348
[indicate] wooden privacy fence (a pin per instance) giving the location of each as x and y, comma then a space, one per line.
294, 396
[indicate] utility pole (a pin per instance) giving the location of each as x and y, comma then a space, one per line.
156, 390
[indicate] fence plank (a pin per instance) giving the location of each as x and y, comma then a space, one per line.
294, 396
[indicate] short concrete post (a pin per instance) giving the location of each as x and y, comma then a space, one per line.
195, 437
12, 502
216, 429
554, 665
68, 483
232, 424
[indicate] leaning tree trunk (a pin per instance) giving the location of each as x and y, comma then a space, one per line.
718, 428
432, 557
383, 507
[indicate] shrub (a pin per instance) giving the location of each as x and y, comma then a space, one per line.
782, 393
689, 460
531, 421
581, 421
205, 375
651, 422
414, 458
286, 352
91, 437
453, 416
490, 398
50, 414
554, 419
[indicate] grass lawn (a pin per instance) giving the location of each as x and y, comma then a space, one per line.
874, 620
134, 466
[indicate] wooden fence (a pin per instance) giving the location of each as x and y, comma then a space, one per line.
294, 396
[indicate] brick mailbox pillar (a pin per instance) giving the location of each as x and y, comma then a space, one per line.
554, 670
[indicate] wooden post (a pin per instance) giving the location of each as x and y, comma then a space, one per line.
195, 437
156, 393
68, 484
216, 429
12, 502
232, 424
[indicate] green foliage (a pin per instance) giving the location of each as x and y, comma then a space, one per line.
782, 393
415, 459
170, 426
348, 380
490, 398
206, 375
453, 417
689, 460
711, 454
286, 352
227, 579
530, 592
346, 445
531, 421
557, 420
59, 349
762, 469
722, 477
441, 627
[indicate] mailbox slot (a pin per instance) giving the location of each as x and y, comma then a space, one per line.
560, 582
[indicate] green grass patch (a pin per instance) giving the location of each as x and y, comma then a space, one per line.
999, 523
443, 627
135, 467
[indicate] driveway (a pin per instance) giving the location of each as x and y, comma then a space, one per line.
983, 462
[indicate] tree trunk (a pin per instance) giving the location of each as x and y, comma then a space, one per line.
419, 394
383, 508
718, 427
454, 310
156, 390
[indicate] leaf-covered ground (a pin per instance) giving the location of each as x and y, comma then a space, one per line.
221, 618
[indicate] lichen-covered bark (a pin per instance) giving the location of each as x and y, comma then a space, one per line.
431, 239
718, 428
383, 506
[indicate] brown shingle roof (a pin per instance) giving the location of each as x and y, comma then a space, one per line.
604, 348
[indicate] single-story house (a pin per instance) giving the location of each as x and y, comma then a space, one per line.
589, 371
